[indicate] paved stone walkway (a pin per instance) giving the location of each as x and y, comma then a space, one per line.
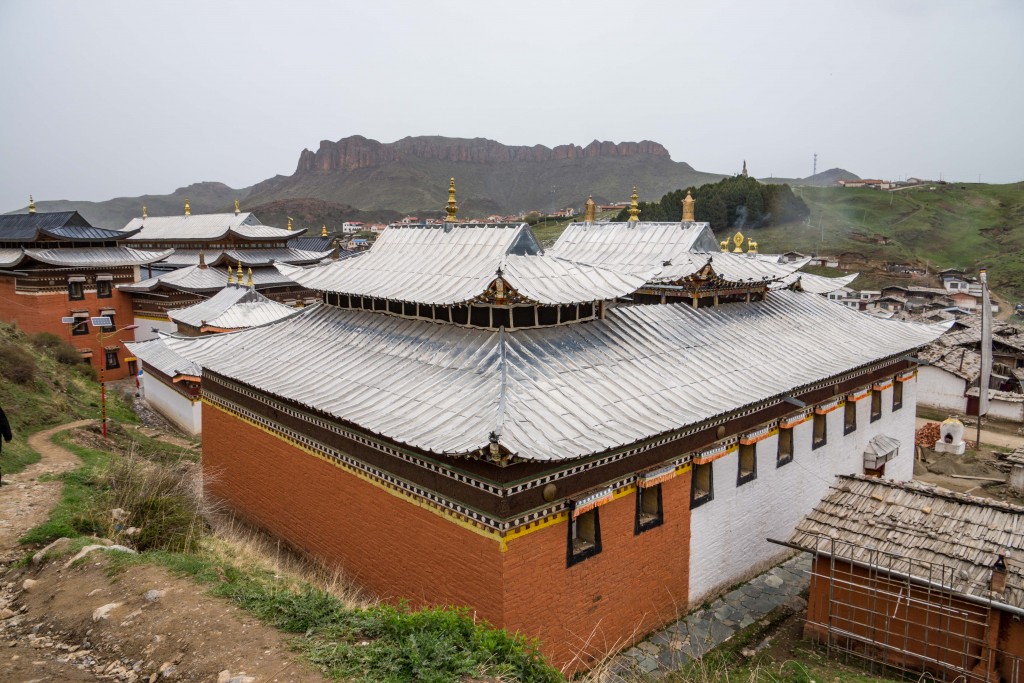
705, 629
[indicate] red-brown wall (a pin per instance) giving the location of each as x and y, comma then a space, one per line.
398, 549
42, 313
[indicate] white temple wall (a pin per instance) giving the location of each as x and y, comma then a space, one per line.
942, 390
1000, 409
728, 534
148, 325
180, 410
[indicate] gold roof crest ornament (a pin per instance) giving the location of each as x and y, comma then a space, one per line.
751, 246
451, 209
737, 239
688, 207
231, 275
188, 209
239, 272
144, 215
590, 213
323, 231
289, 223
237, 210
249, 281
634, 210
724, 244
31, 204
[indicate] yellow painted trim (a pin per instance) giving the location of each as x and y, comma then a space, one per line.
165, 319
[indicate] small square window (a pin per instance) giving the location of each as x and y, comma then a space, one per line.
103, 289
785, 454
748, 464
850, 417
897, 395
649, 513
80, 327
111, 358
702, 485
112, 327
820, 430
876, 405
76, 292
584, 537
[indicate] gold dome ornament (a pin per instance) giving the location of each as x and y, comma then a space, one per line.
323, 231
737, 239
688, 208
590, 214
634, 209
31, 204
451, 209
188, 209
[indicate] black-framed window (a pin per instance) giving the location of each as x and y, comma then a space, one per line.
80, 327
747, 464
702, 484
649, 510
876, 405
76, 291
112, 326
104, 289
785, 452
111, 359
820, 431
897, 395
584, 536
850, 417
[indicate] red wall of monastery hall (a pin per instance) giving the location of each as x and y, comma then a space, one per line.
634, 585
42, 313
387, 544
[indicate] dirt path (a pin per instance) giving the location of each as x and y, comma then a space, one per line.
988, 437
63, 622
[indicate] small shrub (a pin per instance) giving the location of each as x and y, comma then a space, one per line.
87, 371
60, 350
44, 341
16, 364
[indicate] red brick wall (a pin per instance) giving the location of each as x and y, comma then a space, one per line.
634, 585
42, 313
400, 550
387, 544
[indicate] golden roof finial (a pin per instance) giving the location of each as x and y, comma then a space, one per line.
249, 281
289, 223
724, 244
188, 209
144, 215
634, 210
239, 272
688, 207
31, 204
323, 231
590, 214
237, 210
751, 246
231, 275
737, 239
451, 209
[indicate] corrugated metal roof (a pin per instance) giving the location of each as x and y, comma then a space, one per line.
818, 284
84, 232
248, 257
455, 264
552, 393
25, 227
156, 354
97, 257
908, 528
625, 245
196, 279
11, 257
203, 226
732, 267
219, 310
317, 243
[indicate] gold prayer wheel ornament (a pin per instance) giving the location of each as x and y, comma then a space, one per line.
688, 207
737, 239
634, 210
31, 204
590, 213
188, 209
451, 209
724, 244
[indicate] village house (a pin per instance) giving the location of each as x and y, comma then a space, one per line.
59, 274
530, 427
920, 579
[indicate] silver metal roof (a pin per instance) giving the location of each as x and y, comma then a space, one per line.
454, 264
234, 307
733, 267
626, 245
918, 527
203, 226
818, 284
11, 257
155, 353
551, 393
196, 279
97, 257
248, 257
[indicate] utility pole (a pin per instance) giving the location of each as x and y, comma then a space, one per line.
815, 164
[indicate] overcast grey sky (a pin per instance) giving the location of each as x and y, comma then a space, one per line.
106, 99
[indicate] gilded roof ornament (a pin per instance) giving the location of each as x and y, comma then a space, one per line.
634, 210
688, 207
323, 231
237, 210
144, 214
289, 223
751, 246
724, 244
590, 214
239, 272
231, 276
737, 239
451, 209
249, 281
31, 204
188, 209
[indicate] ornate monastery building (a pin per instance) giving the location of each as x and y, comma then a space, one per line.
57, 273
576, 447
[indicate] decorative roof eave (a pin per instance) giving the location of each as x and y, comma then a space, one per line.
97, 257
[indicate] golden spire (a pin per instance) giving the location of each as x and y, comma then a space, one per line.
289, 223
452, 208
590, 214
634, 210
323, 231
249, 281
188, 209
239, 272
237, 210
737, 239
688, 207
144, 211
31, 204
231, 275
